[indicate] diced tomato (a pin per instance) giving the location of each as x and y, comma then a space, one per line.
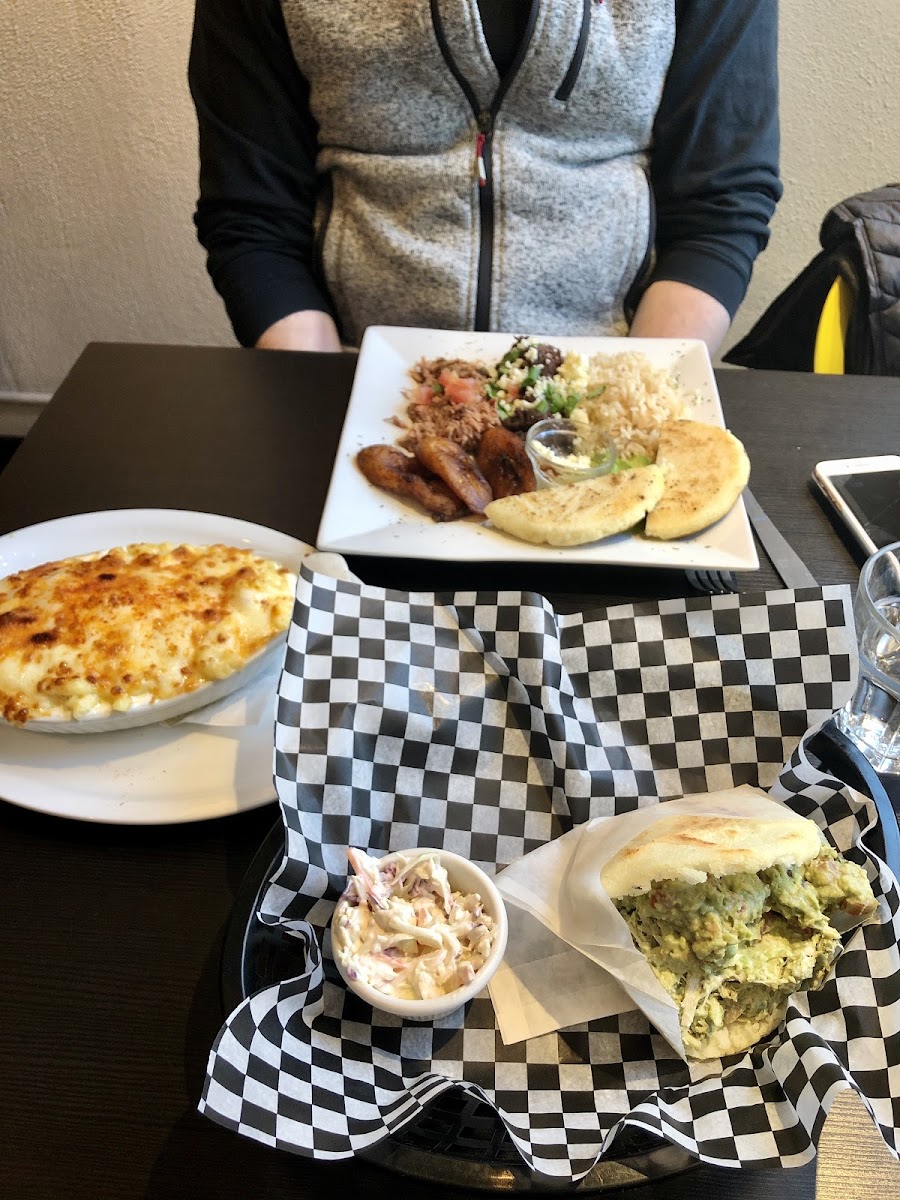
425, 394
459, 391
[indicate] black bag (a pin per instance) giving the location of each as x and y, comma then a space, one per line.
860, 239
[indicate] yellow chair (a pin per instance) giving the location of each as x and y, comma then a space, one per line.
831, 334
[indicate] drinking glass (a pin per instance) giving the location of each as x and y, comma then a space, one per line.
872, 717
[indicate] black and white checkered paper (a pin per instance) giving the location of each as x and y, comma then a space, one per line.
488, 726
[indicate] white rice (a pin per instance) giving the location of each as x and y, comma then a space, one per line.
637, 398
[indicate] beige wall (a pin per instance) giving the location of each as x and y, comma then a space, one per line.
97, 184
840, 126
98, 170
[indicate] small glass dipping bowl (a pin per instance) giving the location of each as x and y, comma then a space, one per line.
551, 446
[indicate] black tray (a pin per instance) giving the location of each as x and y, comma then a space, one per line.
459, 1140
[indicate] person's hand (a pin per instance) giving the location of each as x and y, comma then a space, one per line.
677, 310
308, 330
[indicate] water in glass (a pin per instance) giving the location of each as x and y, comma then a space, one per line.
872, 716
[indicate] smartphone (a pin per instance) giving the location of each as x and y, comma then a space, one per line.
865, 493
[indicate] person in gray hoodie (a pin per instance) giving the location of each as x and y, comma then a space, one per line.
534, 166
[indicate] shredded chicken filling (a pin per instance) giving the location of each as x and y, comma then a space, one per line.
736, 946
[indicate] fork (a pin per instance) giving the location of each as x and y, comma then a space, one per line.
714, 583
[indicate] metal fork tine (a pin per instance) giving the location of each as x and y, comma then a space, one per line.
714, 583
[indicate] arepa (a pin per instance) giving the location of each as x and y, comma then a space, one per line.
576, 513
689, 848
733, 916
706, 468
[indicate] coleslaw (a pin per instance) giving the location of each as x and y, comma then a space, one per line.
399, 927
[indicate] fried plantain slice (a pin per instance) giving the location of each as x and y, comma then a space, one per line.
458, 470
504, 462
389, 468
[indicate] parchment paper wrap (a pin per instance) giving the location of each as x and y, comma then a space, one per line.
560, 886
491, 725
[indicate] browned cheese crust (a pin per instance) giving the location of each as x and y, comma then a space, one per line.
108, 631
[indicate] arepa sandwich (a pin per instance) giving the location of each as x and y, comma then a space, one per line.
734, 915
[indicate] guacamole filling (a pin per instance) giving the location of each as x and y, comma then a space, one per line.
735, 947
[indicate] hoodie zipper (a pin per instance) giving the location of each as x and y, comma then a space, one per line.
485, 120
637, 289
571, 77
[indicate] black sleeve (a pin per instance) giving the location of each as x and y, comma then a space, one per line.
257, 163
714, 164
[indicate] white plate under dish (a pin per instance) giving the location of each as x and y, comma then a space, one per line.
361, 519
159, 773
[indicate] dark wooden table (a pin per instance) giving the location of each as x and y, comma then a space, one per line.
111, 935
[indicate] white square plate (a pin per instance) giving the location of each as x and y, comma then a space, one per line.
361, 519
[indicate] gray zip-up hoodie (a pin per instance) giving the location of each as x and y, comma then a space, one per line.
458, 202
